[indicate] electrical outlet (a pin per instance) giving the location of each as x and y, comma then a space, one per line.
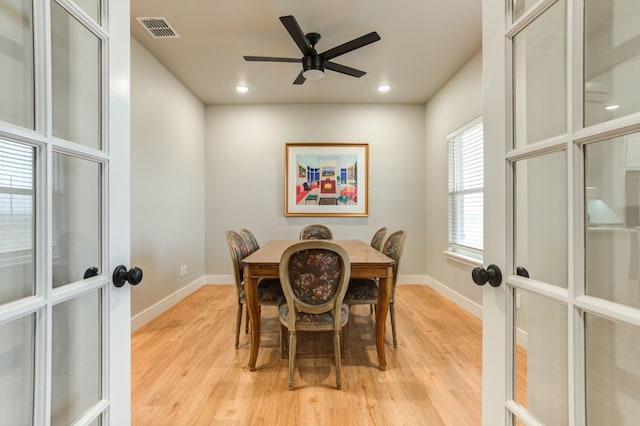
186, 269
517, 300
183, 270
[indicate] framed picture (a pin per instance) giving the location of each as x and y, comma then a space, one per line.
326, 179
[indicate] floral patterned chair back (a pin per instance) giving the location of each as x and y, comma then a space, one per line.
248, 236
314, 276
316, 232
393, 248
239, 250
269, 289
364, 291
378, 238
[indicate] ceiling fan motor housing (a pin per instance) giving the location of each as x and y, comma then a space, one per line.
314, 62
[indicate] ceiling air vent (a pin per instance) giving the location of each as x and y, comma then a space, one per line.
158, 27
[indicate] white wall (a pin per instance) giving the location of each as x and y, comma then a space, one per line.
456, 104
167, 181
245, 173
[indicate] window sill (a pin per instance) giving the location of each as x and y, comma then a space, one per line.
465, 260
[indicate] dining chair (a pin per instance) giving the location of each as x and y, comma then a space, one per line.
364, 291
248, 236
376, 242
316, 232
378, 238
269, 289
314, 275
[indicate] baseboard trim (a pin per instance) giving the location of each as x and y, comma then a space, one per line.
412, 279
521, 338
158, 308
219, 279
465, 303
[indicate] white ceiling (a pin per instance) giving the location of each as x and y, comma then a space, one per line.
423, 43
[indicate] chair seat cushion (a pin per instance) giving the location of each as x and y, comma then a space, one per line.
318, 320
362, 289
269, 291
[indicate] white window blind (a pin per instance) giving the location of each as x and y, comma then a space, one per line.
16, 197
466, 184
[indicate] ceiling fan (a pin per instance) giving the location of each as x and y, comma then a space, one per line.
314, 63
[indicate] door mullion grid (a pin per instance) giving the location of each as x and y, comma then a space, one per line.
509, 293
575, 229
529, 16
42, 74
104, 300
558, 143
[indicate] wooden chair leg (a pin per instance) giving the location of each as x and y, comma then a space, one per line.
246, 322
337, 352
284, 341
392, 310
344, 339
292, 356
238, 323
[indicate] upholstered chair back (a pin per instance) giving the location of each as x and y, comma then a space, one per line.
378, 238
316, 232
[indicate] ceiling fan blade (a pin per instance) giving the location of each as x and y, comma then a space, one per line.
297, 34
270, 59
343, 69
299, 79
354, 44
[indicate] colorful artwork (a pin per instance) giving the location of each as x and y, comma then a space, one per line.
326, 179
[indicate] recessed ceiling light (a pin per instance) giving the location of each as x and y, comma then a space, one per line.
384, 88
611, 107
242, 89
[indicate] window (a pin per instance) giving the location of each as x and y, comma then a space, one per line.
16, 200
466, 183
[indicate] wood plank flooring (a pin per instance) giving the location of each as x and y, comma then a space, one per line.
185, 370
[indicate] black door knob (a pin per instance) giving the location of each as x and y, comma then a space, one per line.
522, 271
90, 272
491, 275
121, 275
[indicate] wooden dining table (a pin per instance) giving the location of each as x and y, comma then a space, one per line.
366, 262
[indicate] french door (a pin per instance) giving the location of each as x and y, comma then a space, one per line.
562, 134
64, 212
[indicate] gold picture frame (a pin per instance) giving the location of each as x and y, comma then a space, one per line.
326, 179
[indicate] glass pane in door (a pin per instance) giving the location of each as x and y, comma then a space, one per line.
612, 372
17, 356
541, 383
75, 80
76, 201
17, 272
612, 215
540, 217
539, 78
519, 7
76, 357
611, 59
92, 7
17, 102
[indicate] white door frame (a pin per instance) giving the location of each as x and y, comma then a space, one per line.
495, 238
498, 302
115, 407
119, 231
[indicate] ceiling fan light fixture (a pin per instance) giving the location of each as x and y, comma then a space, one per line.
240, 88
384, 88
313, 74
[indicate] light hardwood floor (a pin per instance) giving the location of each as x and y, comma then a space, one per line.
185, 370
